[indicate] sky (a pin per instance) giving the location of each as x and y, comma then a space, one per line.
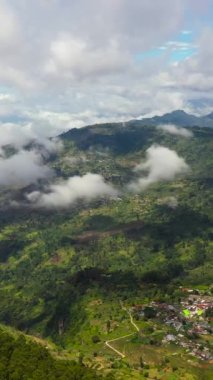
69, 63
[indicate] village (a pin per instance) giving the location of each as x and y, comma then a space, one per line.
187, 324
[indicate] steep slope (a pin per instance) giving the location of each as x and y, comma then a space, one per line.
23, 358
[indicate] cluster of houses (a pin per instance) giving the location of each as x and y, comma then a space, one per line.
197, 305
184, 323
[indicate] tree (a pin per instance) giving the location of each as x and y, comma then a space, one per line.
108, 326
96, 339
141, 362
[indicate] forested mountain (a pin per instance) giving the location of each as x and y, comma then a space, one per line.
78, 271
180, 118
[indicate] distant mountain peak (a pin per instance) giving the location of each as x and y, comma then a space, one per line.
177, 117
209, 116
177, 112
180, 118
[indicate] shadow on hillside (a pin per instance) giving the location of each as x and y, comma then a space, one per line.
120, 141
184, 223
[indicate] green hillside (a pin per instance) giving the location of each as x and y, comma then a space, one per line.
65, 273
22, 358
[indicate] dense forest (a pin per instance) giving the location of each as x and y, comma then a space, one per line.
65, 271
21, 358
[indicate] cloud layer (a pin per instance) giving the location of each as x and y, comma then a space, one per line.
174, 130
85, 39
27, 167
102, 60
20, 135
25, 164
161, 164
67, 64
65, 193
22, 169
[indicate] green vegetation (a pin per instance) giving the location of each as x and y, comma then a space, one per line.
22, 359
63, 273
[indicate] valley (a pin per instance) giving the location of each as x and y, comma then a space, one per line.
101, 280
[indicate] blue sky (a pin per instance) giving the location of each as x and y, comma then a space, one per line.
187, 46
180, 48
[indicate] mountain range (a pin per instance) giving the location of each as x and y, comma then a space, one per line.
180, 118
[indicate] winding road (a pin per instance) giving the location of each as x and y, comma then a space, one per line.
108, 342
114, 349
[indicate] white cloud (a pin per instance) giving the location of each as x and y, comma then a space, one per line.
65, 193
72, 58
54, 123
22, 169
99, 21
174, 130
161, 164
179, 45
195, 74
15, 63
75, 62
6, 97
19, 135
83, 39
9, 26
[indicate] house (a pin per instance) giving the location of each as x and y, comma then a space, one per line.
170, 338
